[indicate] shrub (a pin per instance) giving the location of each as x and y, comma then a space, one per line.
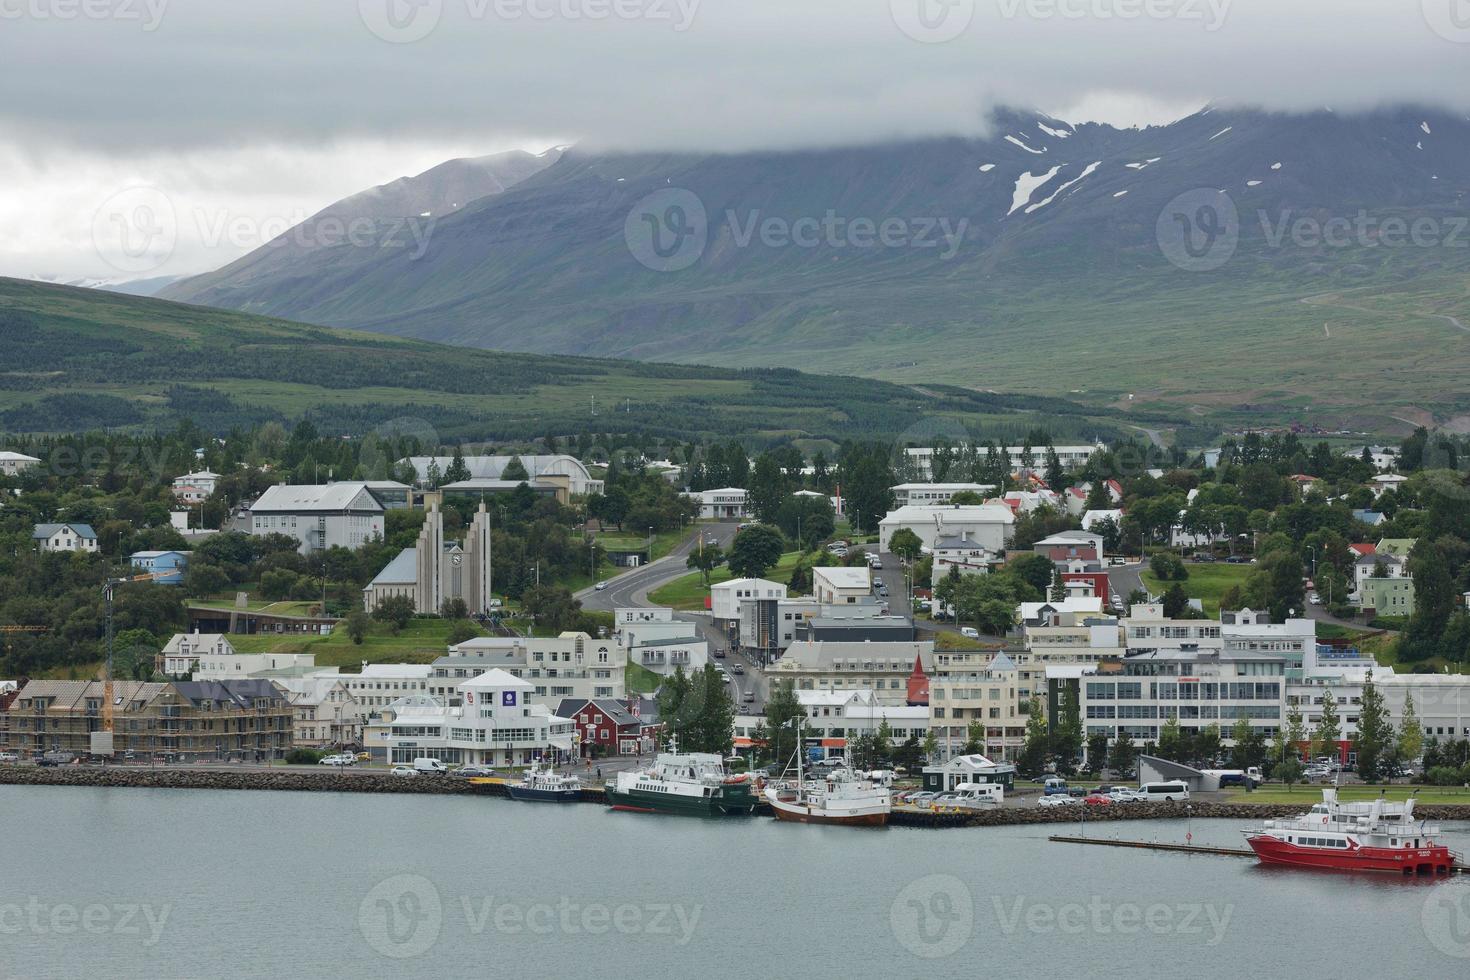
304, 757
1443, 776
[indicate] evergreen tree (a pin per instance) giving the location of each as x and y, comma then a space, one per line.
1123, 757
1328, 730
1375, 733
458, 470
974, 739
1097, 752
515, 471
1411, 733
767, 489
1171, 740
1033, 752
1058, 587
782, 710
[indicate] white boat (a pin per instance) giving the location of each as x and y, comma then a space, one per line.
840, 797
546, 785
693, 783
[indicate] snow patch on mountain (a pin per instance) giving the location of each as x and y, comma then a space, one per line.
1219, 134
1058, 133
1026, 185
1085, 173
1022, 145
985, 168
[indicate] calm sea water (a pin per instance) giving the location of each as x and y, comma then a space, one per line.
157, 883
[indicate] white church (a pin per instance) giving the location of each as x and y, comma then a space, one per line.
435, 570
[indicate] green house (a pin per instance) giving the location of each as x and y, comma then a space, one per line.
1388, 596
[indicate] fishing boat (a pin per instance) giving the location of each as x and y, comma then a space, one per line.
1376, 836
839, 797
543, 784
693, 784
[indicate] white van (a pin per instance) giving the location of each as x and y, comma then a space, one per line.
973, 796
1166, 792
429, 765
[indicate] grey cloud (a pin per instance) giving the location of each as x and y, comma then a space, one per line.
708, 74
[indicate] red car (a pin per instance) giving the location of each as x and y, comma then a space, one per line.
1098, 799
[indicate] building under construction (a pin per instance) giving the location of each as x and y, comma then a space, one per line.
179, 721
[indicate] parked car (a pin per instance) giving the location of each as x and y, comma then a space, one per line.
475, 772
922, 799
749, 697
1054, 786
1122, 794
1097, 799
426, 764
720, 654
737, 668
1166, 792
1235, 560
969, 632
341, 759
1204, 556
1062, 800
1314, 599
403, 771
9, 757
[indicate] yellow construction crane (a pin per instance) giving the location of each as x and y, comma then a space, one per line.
10, 631
107, 591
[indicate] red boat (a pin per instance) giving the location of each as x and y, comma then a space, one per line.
1376, 836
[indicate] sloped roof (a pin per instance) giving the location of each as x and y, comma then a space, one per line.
400, 571
291, 499
44, 531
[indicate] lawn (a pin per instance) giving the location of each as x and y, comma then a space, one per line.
1312, 793
420, 642
1206, 583
689, 592
640, 680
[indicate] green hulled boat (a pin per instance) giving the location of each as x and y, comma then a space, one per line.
693, 784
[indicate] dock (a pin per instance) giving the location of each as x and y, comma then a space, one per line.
1156, 846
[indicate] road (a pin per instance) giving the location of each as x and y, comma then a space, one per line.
631, 588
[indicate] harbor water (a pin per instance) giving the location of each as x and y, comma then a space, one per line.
196, 883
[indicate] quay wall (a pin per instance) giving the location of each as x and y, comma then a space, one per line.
425, 785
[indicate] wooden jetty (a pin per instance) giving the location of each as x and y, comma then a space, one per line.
1156, 846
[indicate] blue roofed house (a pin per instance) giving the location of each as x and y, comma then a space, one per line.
169, 566
1372, 518
65, 537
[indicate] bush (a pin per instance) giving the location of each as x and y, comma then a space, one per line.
304, 757
1443, 776
1168, 567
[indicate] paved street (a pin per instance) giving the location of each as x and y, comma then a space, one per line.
631, 588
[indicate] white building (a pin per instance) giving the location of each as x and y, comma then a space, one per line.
193, 488
1200, 687
989, 526
837, 719
842, 585
724, 504
665, 656
319, 517
573, 665
181, 654
963, 555
882, 667
1071, 457
933, 494
1248, 631
726, 597
379, 685
967, 687
65, 537
12, 463
560, 471
494, 722
227, 665
645, 625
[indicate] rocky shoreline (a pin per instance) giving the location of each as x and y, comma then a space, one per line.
334, 782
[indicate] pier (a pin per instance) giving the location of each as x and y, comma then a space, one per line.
1155, 846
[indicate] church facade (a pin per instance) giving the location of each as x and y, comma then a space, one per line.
436, 571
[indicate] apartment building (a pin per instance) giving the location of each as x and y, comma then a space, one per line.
573, 665
976, 686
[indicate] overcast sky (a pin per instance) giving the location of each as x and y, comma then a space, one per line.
246, 115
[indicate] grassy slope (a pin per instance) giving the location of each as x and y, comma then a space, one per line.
1206, 583
421, 642
57, 340
689, 592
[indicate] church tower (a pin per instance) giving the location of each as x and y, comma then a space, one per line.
478, 581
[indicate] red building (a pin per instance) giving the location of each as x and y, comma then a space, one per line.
1098, 582
606, 727
918, 692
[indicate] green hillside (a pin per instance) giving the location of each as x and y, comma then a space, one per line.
73, 359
